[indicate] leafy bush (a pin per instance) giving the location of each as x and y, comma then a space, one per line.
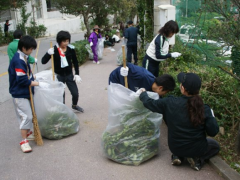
81, 51
36, 31
5, 40
220, 90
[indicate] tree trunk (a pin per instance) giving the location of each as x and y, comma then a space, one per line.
85, 19
238, 141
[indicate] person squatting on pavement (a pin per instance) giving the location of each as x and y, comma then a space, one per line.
159, 47
131, 34
93, 40
20, 78
13, 47
189, 120
64, 56
140, 77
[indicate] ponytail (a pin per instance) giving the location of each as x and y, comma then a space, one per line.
195, 109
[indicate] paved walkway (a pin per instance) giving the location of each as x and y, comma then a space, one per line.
80, 157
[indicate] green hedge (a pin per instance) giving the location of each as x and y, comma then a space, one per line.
81, 51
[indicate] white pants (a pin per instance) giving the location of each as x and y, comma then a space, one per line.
23, 112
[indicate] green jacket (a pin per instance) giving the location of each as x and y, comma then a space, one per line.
12, 49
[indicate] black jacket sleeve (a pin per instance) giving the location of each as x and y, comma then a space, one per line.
46, 58
158, 49
75, 61
211, 125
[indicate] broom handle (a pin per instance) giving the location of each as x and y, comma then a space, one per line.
124, 65
38, 137
36, 56
52, 63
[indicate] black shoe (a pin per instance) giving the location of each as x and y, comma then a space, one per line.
176, 160
77, 108
195, 163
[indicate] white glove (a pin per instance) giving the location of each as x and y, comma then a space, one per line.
124, 71
175, 54
51, 51
91, 43
140, 91
35, 60
77, 79
43, 85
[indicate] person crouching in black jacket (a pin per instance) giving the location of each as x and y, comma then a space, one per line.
64, 56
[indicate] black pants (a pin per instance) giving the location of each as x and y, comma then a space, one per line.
132, 49
72, 86
212, 150
151, 65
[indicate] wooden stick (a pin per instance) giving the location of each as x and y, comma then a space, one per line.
124, 65
37, 132
52, 62
36, 56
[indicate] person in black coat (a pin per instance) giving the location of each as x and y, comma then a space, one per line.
189, 121
131, 34
6, 27
64, 56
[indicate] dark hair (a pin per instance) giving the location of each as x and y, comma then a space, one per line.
62, 36
17, 34
170, 27
7, 21
166, 81
27, 42
195, 109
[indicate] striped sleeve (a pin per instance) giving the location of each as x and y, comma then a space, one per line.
21, 73
158, 50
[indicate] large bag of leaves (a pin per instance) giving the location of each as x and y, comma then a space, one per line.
55, 119
132, 133
120, 53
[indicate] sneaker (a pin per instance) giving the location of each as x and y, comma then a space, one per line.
94, 62
98, 62
195, 163
176, 160
30, 136
77, 108
25, 146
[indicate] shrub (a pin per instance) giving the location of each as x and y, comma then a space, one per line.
36, 31
81, 51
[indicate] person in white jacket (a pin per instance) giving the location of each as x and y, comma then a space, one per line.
159, 47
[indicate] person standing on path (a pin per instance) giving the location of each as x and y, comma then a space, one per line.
159, 47
93, 40
13, 47
64, 57
20, 78
189, 121
131, 35
6, 25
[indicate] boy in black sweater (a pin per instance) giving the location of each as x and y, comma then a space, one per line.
64, 56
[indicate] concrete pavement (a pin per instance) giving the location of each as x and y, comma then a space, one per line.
80, 156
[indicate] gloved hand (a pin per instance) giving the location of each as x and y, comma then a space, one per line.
124, 71
51, 51
91, 43
36, 60
77, 79
140, 91
43, 84
175, 54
